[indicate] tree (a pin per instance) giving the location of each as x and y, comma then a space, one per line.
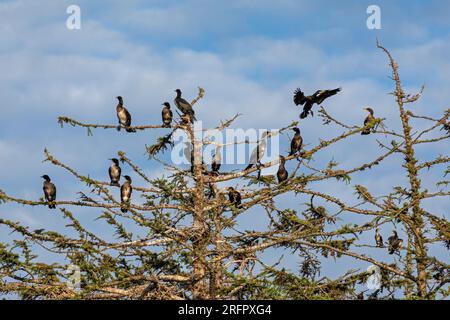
189, 245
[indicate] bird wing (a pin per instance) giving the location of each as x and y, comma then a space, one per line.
299, 97
128, 117
321, 95
124, 116
258, 152
367, 120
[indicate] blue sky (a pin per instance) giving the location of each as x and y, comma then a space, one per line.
248, 55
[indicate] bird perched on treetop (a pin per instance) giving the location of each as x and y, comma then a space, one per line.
282, 173
296, 142
49, 191
258, 152
125, 194
167, 114
184, 106
368, 119
394, 243
114, 172
124, 116
378, 238
234, 197
308, 101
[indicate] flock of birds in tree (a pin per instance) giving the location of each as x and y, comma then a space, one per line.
188, 116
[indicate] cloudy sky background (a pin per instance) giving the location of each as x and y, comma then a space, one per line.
248, 55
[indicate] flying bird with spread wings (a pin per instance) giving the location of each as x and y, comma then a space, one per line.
308, 101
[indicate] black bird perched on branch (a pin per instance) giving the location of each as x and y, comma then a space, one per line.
308, 101
184, 106
368, 119
296, 142
167, 114
124, 116
216, 161
378, 238
234, 197
114, 172
282, 173
394, 243
49, 191
125, 194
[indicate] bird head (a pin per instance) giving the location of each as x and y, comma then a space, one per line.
377, 230
115, 161
178, 91
297, 130
46, 177
230, 189
282, 159
120, 99
370, 110
166, 104
394, 233
128, 178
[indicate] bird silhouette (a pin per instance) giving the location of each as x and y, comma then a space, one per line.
125, 194
308, 101
296, 142
368, 119
235, 197
114, 172
166, 114
184, 106
124, 116
49, 191
394, 243
282, 173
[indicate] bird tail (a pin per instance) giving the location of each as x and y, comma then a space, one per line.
365, 132
128, 129
52, 205
124, 208
114, 184
303, 115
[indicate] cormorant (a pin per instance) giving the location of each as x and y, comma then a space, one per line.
49, 191
184, 106
114, 172
234, 197
282, 173
378, 238
216, 161
368, 119
167, 114
258, 152
394, 243
308, 101
296, 142
125, 194
124, 116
